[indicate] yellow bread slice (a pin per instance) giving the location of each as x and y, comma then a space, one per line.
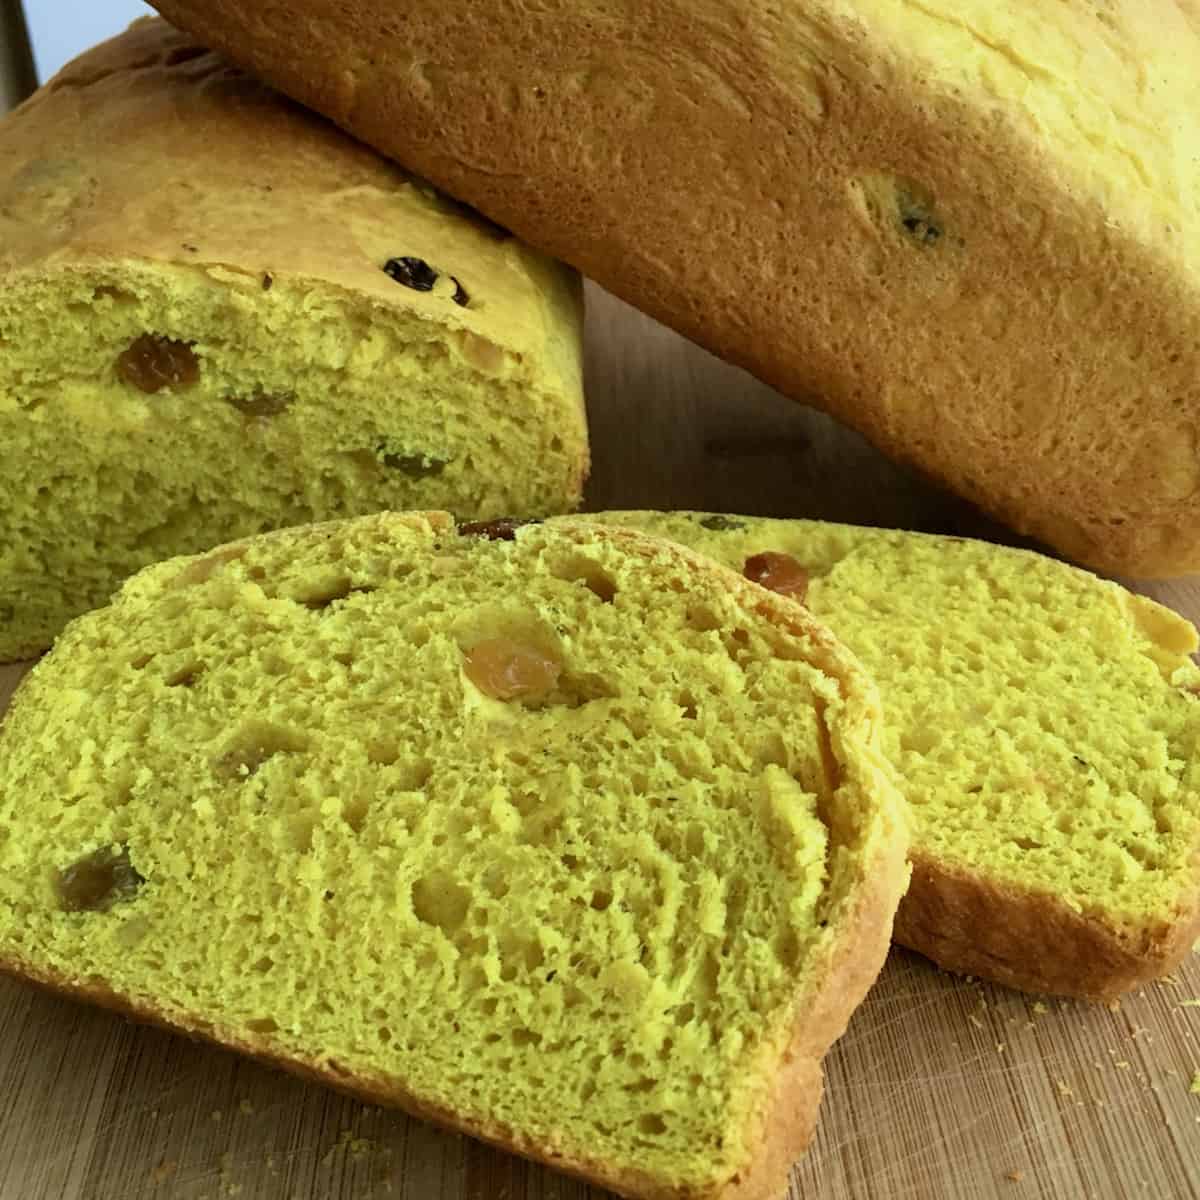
211, 325
968, 228
577, 842
1046, 727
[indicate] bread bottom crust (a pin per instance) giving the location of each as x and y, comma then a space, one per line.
1034, 941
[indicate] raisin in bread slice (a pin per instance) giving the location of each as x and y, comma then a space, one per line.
577, 842
220, 315
968, 228
1046, 727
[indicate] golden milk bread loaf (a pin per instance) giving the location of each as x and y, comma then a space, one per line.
1046, 727
967, 229
220, 315
562, 836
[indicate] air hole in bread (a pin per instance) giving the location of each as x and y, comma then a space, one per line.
578, 568
438, 900
354, 812
114, 294
201, 570
262, 404
262, 1025
703, 619
255, 744
185, 676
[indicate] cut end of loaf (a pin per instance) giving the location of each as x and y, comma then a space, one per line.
558, 836
1046, 725
152, 410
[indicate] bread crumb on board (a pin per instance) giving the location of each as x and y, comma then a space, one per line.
165, 1169
1014, 1176
1195, 1088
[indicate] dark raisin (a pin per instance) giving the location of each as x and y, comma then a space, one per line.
503, 529
415, 466
460, 293
414, 273
922, 229
151, 363
262, 404
721, 524
916, 215
268, 281
778, 573
98, 881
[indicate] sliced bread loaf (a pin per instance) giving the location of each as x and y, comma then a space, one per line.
220, 315
577, 842
1046, 726
968, 229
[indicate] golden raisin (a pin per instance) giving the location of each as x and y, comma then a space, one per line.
509, 670
151, 363
778, 573
98, 881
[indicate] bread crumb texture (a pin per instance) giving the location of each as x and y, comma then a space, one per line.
263, 795
1045, 723
220, 316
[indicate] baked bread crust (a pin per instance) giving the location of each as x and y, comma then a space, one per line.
1031, 940
965, 914
790, 1073
816, 192
151, 177
788, 1121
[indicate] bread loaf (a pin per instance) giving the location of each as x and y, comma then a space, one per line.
220, 315
576, 842
1046, 726
967, 229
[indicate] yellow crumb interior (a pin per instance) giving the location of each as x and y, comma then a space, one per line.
309, 404
585, 916
1045, 723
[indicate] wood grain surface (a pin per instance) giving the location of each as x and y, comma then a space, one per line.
942, 1087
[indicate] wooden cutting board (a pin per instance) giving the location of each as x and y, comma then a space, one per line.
943, 1087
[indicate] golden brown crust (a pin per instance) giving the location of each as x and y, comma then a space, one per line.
720, 165
1033, 941
794, 1100
788, 1067
103, 165
796, 1097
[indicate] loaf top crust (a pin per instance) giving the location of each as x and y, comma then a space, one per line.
89, 174
967, 230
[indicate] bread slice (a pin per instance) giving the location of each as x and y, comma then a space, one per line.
1046, 727
219, 315
577, 842
968, 229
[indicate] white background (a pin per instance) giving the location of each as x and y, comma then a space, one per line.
61, 29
